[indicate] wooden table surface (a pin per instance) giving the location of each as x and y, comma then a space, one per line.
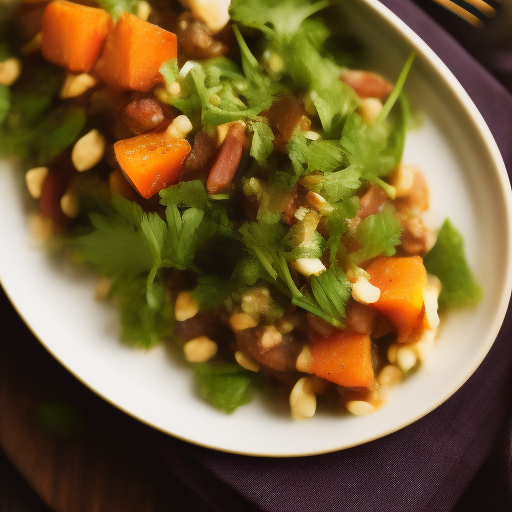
62, 448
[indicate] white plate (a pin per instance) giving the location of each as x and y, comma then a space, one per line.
468, 183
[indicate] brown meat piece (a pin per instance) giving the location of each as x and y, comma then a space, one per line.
281, 357
227, 160
372, 201
367, 84
195, 41
284, 116
143, 114
202, 150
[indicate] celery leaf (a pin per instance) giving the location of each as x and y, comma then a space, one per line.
447, 261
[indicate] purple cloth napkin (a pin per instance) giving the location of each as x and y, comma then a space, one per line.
456, 458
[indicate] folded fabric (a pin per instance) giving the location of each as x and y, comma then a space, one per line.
424, 467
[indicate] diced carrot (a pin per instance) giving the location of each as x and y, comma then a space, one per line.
343, 358
133, 54
73, 35
151, 161
401, 282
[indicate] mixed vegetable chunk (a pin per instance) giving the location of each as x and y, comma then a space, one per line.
237, 180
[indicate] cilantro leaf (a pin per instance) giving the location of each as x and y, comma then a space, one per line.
263, 239
331, 292
377, 234
269, 16
226, 386
58, 131
116, 8
261, 146
333, 105
187, 193
143, 325
447, 261
211, 291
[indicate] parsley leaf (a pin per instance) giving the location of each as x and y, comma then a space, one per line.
377, 234
226, 386
331, 292
261, 146
271, 17
143, 325
211, 291
447, 261
333, 105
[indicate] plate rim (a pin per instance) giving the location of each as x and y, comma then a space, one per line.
484, 133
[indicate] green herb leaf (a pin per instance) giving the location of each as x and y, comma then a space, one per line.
261, 146
447, 261
224, 385
143, 325
190, 194
377, 234
211, 291
331, 292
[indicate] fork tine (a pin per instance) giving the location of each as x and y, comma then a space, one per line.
483, 7
460, 11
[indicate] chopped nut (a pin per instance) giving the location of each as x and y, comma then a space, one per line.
392, 352
284, 327
179, 128
312, 135
318, 202
143, 10
70, 204
405, 358
369, 110
257, 302
242, 321
389, 376
214, 13
303, 360
364, 292
88, 151
430, 295
308, 266
271, 337
199, 350
186, 306
402, 179
174, 89
303, 399
34, 178
423, 347
359, 407
10, 71
76, 85
246, 362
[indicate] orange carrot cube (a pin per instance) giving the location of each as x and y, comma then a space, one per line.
343, 358
151, 161
133, 54
401, 282
73, 35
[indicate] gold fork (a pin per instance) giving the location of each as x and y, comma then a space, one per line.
460, 8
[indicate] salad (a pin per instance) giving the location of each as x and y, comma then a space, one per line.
235, 177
